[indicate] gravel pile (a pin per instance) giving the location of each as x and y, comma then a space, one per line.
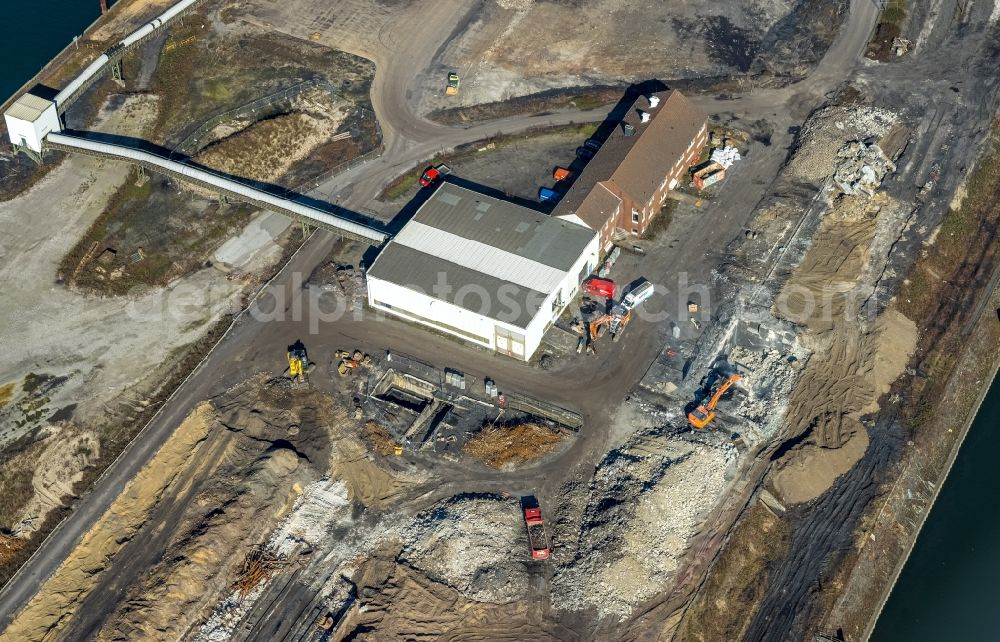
828, 130
861, 168
768, 379
644, 503
477, 544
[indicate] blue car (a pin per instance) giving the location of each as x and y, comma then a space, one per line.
545, 194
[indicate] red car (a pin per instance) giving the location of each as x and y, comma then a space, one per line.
600, 287
430, 176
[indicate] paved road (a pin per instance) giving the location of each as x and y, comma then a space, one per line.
410, 139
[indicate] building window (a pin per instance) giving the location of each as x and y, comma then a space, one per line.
635, 215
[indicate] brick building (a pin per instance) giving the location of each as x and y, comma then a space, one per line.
625, 184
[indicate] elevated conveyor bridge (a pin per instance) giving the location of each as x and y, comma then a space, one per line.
219, 184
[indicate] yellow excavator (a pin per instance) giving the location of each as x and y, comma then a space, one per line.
704, 414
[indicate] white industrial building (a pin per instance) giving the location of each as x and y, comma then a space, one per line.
485, 270
30, 119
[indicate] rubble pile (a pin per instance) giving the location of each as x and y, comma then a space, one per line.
861, 168
321, 505
768, 379
475, 544
643, 505
826, 132
725, 156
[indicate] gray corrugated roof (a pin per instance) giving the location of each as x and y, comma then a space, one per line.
477, 240
418, 271
504, 225
28, 107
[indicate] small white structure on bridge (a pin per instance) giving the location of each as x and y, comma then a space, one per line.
482, 269
30, 119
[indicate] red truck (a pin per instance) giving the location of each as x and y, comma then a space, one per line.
600, 287
537, 539
432, 174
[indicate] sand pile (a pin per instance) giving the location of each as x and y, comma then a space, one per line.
58, 598
266, 150
854, 359
68, 451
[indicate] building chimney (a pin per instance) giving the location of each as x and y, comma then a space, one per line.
654, 101
644, 116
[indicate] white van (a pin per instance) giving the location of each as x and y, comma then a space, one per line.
637, 295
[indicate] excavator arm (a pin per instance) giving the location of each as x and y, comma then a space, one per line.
704, 414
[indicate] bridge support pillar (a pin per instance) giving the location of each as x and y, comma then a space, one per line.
30, 153
116, 72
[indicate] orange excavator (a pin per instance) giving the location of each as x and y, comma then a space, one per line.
704, 414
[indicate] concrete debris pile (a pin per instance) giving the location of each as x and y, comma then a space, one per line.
861, 168
321, 505
826, 132
768, 379
474, 543
645, 502
725, 156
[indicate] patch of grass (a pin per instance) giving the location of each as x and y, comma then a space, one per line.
176, 231
6, 393
585, 98
221, 71
402, 185
723, 608
888, 29
17, 468
941, 290
661, 221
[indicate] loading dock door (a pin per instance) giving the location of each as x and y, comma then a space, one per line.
509, 343
517, 346
503, 341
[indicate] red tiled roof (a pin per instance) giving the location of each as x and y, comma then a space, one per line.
636, 165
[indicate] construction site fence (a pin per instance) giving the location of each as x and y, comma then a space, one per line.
316, 181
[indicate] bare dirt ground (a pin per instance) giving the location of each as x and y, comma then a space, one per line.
88, 366
76, 578
372, 540
512, 48
513, 165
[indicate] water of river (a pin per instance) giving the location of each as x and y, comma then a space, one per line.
948, 590
34, 32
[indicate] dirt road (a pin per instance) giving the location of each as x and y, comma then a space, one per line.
254, 345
